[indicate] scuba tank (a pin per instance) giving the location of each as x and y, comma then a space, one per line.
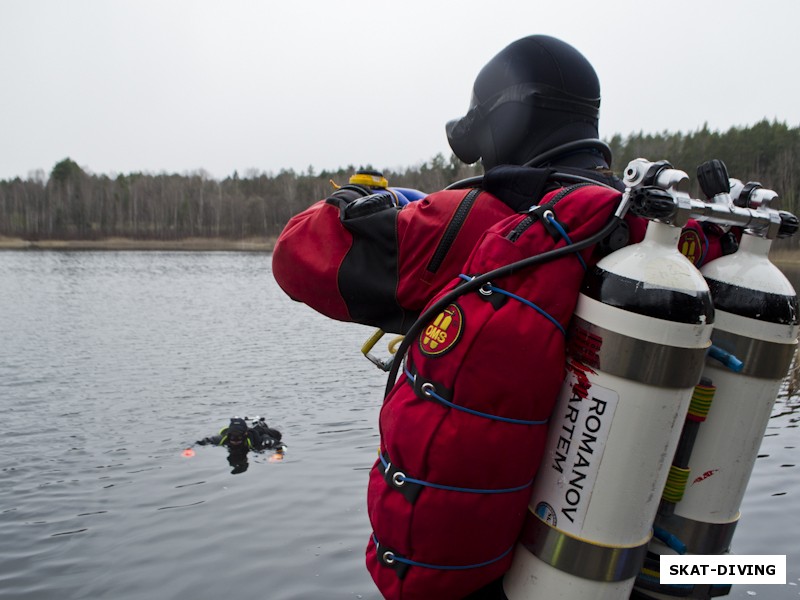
756, 322
638, 337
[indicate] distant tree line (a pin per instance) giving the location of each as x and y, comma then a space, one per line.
765, 152
73, 204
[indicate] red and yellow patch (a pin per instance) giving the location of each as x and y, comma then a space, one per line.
443, 332
691, 246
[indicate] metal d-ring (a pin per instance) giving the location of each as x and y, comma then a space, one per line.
388, 557
486, 289
428, 389
398, 479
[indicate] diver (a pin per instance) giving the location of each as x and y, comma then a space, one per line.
533, 124
238, 436
240, 439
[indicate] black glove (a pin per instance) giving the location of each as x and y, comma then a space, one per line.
347, 194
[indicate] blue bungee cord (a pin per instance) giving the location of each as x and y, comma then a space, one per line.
403, 478
540, 310
430, 392
390, 557
552, 220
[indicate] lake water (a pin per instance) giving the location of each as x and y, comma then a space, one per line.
112, 363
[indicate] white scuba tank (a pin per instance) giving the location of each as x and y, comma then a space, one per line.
639, 335
756, 321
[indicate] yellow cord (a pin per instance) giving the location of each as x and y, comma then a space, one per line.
395, 343
371, 341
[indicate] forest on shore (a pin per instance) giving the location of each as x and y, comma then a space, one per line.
72, 203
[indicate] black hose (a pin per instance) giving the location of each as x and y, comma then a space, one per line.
466, 183
479, 281
600, 145
477, 181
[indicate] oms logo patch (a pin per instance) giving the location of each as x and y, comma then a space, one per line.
691, 246
443, 332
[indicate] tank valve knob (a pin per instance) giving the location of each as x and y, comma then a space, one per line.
712, 176
789, 224
656, 168
652, 203
746, 193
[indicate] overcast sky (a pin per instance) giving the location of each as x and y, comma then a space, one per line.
180, 85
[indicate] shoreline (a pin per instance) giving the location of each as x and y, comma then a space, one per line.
187, 244
198, 244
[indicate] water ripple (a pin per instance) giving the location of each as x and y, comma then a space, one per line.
113, 363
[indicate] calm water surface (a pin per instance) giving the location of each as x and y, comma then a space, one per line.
112, 363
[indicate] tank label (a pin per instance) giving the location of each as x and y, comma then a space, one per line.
576, 441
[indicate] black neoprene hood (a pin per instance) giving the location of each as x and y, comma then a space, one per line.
536, 94
237, 426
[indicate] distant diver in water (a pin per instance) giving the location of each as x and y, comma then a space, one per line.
240, 439
237, 435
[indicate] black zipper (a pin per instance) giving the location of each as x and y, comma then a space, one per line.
531, 218
452, 230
